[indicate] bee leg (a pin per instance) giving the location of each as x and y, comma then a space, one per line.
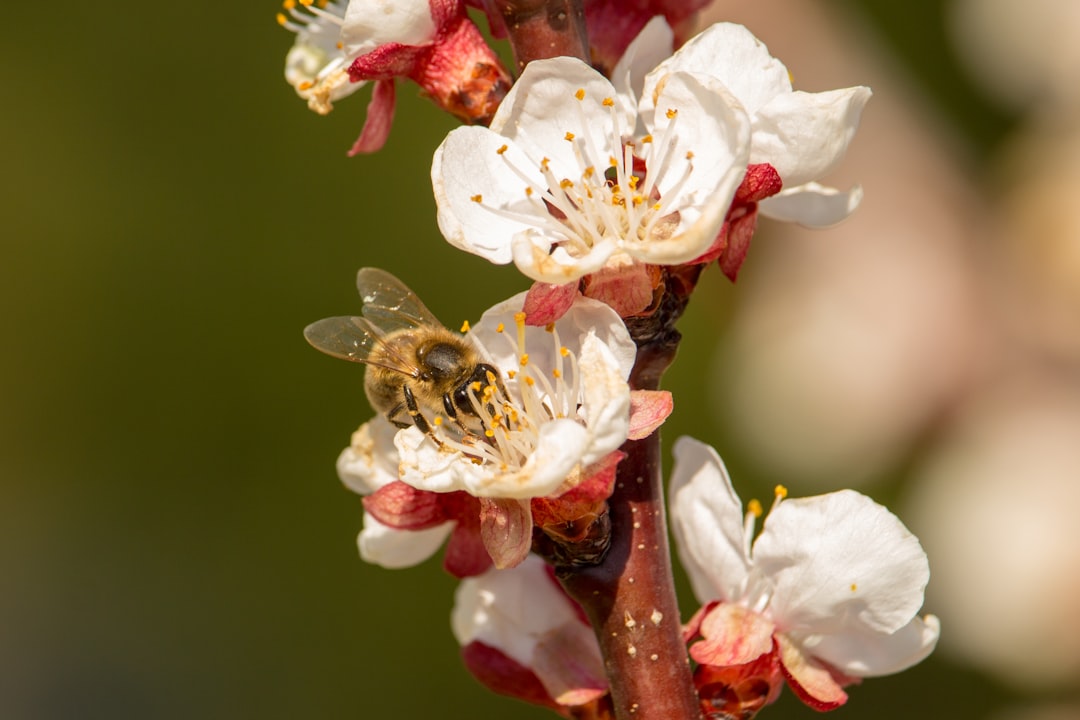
451, 411
392, 416
417, 416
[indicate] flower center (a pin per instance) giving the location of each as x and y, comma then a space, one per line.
512, 415
316, 65
604, 196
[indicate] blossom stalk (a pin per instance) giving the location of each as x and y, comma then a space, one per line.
540, 29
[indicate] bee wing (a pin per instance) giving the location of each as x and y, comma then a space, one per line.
355, 339
389, 305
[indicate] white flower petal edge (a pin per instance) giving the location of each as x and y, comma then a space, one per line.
371, 23
652, 46
839, 575
840, 561
812, 205
510, 609
707, 520
802, 135
553, 184
394, 549
522, 613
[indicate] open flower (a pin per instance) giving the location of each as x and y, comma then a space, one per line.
572, 174
802, 135
826, 594
342, 45
522, 636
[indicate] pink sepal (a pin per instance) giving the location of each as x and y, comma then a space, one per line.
648, 411
504, 675
545, 303
404, 507
630, 289
568, 663
732, 635
810, 679
466, 555
506, 529
380, 116
569, 515
613, 24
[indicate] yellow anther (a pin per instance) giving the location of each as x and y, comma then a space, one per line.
671, 113
646, 139
550, 327
324, 3
289, 4
589, 172
340, 45
556, 373
500, 327
564, 351
465, 326
569, 136
475, 386
281, 19
489, 433
544, 164
519, 319
638, 200
754, 508
306, 3
633, 182
580, 94
780, 491
438, 420
491, 379
689, 154
511, 374
608, 102
613, 161
305, 85
566, 183
656, 207
502, 149
524, 359
854, 587
477, 198
529, 381
528, 192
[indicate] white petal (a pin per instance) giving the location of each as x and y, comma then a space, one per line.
804, 135
707, 162
534, 258
542, 107
840, 562
371, 23
652, 45
426, 466
392, 548
812, 205
868, 654
469, 176
586, 316
707, 520
731, 54
606, 400
510, 609
371, 459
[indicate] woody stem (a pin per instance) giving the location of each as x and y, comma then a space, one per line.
544, 28
629, 596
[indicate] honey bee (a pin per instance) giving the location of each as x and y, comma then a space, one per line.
414, 363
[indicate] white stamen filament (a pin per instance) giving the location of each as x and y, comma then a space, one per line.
512, 420
591, 204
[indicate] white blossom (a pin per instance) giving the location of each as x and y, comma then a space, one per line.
573, 172
835, 580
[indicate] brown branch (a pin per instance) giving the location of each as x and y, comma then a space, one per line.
544, 28
629, 596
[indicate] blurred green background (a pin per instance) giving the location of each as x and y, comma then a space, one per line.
174, 542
